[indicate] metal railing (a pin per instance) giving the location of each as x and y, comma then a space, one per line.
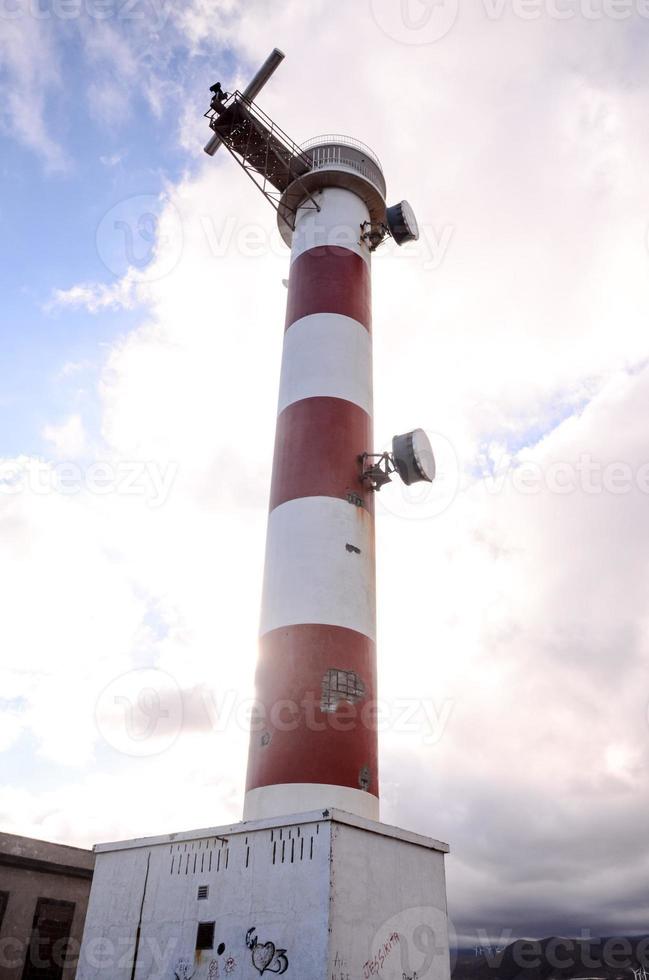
272, 160
336, 138
273, 131
337, 155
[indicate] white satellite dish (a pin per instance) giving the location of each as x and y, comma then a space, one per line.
413, 457
402, 223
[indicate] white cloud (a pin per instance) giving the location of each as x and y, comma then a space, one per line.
12, 725
111, 160
96, 297
71, 368
68, 439
29, 73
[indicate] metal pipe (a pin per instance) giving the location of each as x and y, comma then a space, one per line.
252, 90
270, 65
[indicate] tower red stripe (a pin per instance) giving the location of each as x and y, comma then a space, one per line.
317, 444
330, 279
294, 740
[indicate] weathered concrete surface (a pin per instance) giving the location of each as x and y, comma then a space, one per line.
30, 870
319, 896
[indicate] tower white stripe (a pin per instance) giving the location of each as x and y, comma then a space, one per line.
327, 354
313, 574
275, 801
338, 223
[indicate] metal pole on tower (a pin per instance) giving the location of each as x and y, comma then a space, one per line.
252, 90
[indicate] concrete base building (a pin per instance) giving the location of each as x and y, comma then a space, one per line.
326, 896
44, 891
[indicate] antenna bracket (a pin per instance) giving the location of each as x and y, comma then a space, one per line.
373, 234
377, 469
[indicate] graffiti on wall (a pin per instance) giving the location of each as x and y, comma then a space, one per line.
339, 970
373, 966
266, 957
184, 970
219, 969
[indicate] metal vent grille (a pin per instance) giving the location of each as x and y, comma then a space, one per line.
203, 892
290, 846
199, 857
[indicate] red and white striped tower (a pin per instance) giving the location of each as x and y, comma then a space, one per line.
315, 746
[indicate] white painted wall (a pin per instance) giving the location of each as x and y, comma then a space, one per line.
330, 891
271, 879
383, 888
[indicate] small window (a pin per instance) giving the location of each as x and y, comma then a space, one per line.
48, 947
203, 892
4, 901
205, 935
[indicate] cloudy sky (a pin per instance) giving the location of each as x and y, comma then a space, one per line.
141, 336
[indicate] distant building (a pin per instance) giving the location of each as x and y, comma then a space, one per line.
44, 891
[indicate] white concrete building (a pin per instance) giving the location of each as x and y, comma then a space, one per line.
326, 896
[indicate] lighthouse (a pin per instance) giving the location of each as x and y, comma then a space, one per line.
318, 620
317, 656
310, 884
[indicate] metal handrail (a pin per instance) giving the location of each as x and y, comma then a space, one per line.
270, 125
342, 141
338, 156
372, 175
